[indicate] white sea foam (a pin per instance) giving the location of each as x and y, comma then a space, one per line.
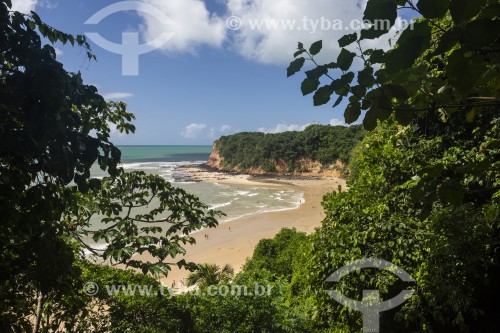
224, 204
168, 170
236, 201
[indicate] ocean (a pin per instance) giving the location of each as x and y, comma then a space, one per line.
234, 201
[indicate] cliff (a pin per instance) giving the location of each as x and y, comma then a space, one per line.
302, 167
319, 150
215, 160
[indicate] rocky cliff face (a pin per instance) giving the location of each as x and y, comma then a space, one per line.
303, 167
215, 160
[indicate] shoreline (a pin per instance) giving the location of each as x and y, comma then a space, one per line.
233, 241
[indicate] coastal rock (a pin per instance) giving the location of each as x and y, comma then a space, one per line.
303, 167
215, 160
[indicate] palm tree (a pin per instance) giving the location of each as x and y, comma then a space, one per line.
210, 274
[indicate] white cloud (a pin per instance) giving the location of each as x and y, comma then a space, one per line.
211, 135
337, 122
47, 4
59, 52
194, 25
283, 128
24, 6
289, 22
192, 131
284, 23
222, 130
117, 95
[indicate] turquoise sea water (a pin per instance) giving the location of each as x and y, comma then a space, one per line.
235, 201
132, 154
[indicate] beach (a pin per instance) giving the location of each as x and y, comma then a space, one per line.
233, 242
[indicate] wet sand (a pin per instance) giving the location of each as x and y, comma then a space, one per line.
233, 242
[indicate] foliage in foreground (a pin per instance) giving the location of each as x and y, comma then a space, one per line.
450, 249
242, 308
50, 136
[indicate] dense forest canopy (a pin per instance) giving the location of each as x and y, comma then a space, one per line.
323, 143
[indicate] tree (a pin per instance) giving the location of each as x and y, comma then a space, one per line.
445, 63
424, 190
442, 63
276, 255
210, 275
283, 152
50, 136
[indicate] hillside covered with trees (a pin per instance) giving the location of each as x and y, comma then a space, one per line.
288, 152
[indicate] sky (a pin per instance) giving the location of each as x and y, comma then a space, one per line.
206, 68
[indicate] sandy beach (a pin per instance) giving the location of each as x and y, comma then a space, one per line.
234, 241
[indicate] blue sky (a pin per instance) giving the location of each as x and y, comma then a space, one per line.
207, 80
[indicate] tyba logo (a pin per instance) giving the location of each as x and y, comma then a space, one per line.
130, 49
370, 306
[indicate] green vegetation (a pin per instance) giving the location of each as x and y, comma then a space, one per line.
424, 192
210, 274
241, 309
323, 143
51, 134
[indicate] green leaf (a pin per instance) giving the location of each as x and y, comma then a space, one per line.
317, 72
462, 10
343, 90
365, 77
345, 59
412, 43
491, 11
348, 39
480, 33
299, 52
395, 91
448, 40
352, 112
295, 66
359, 91
336, 84
316, 47
370, 120
347, 78
451, 192
32, 25
322, 95
433, 8
377, 57
404, 117
338, 101
469, 117
309, 85
464, 72
493, 144
379, 11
